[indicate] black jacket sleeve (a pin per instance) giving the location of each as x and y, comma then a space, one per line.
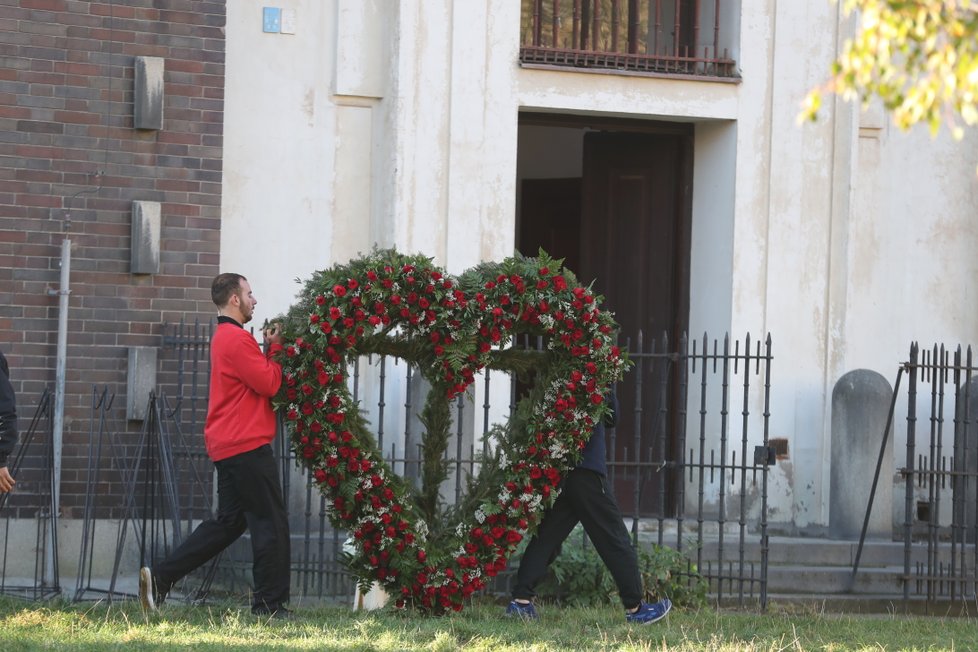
611, 418
8, 413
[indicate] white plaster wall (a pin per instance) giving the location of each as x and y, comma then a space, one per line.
788, 216
279, 140
912, 240
396, 123
711, 246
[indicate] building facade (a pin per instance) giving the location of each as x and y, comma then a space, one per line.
295, 136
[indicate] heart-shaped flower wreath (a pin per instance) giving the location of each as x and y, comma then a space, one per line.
392, 304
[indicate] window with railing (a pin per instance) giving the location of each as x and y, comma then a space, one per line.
670, 37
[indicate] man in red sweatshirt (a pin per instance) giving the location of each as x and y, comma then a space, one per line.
238, 431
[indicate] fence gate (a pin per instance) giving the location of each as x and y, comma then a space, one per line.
940, 476
696, 456
688, 460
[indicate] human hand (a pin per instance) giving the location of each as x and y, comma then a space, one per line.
272, 333
7, 481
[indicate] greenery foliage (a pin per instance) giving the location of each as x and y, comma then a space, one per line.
668, 573
920, 57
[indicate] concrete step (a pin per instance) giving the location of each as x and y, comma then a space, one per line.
834, 579
822, 552
805, 569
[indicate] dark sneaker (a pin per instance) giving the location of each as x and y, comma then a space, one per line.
151, 594
275, 614
524, 611
650, 613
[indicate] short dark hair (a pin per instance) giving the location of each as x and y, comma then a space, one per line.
224, 287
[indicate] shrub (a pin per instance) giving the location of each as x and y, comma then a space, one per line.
578, 576
668, 573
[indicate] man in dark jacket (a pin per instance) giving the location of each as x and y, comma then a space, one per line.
586, 497
8, 424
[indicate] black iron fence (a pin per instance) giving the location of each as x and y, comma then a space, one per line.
940, 477
941, 474
688, 460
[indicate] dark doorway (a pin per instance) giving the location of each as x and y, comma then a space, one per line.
553, 211
624, 225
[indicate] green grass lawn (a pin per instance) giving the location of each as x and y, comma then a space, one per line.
98, 626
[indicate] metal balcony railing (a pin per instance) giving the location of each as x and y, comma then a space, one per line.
659, 37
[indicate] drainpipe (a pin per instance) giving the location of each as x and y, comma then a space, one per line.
59, 408
59, 389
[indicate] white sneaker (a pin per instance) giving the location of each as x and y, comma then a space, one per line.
147, 594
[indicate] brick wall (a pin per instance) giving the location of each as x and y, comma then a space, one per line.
71, 165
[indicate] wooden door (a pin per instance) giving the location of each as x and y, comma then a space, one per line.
625, 227
635, 248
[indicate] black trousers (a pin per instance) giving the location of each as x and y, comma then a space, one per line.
586, 497
248, 495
